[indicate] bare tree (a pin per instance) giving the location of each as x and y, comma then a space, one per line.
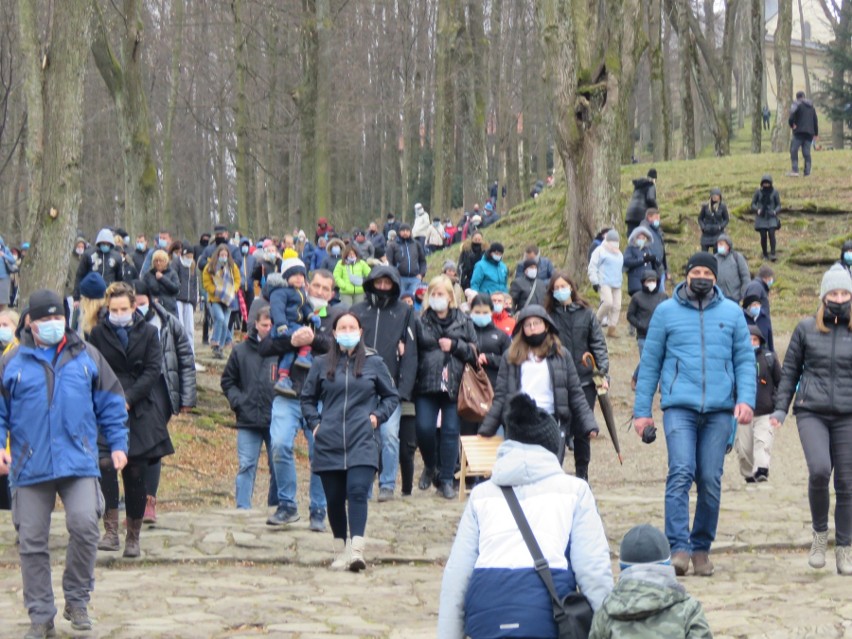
756, 45
783, 75
840, 19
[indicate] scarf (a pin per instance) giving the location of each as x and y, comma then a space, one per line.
223, 281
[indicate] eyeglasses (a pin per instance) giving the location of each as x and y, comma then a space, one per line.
534, 323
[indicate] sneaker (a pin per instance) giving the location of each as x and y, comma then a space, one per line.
792, 174
843, 555
40, 630
317, 522
385, 494
200, 368
304, 361
772, 257
426, 478
680, 561
78, 616
217, 353
750, 480
762, 474
701, 564
282, 517
284, 387
447, 491
816, 557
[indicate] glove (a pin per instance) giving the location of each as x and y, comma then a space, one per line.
316, 321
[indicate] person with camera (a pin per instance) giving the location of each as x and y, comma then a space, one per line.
698, 350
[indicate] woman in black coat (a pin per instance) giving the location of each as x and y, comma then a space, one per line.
131, 346
357, 394
580, 333
491, 343
445, 341
163, 282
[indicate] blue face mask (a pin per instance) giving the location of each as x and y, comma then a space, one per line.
244, 250
498, 308
562, 294
756, 348
105, 248
481, 320
847, 257
496, 258
223, 260
347, 340
163, 243
51, 332
754, 311
142, 309
656, 224
140, 246
6, 335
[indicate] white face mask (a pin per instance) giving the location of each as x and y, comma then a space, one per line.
532, 273
651, 286
438, 304
186, 261
121, 320
317, 303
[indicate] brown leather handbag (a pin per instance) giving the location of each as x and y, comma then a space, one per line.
475, 393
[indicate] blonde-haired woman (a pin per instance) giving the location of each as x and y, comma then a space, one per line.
538, 365
445, 343
818, 369
92, 292
163, 281
221, 279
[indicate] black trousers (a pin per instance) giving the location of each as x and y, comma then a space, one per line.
133, 476
770, 235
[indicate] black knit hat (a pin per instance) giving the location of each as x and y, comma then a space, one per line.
652, 173
528, 424
496, 247
703, 258
44, 303
748, 300
644, 544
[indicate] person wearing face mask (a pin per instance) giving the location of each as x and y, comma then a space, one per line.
163, 242
698, 352
756, 316
760, 287
58, 390
163, 281
605, 274
390, 329
409, 258
347, 395
527, 288
490, 273
816, 369
653, 223
92, 292
846, 256
246, 272
766, 205
639, 258
221, 281
642, 307
140, 251
734, 275
472, 250
221, 236
334, 250
544, 267
445, 343
9, 320
131, 347
754, 441
349, 276
102, 259
363, 246
434, 238
71, 278
712, 220
538, 365
420, 227
501, 316
187, 295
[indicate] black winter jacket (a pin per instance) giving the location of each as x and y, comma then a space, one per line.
188, 279
248, 382
407, 257
766, 204
712, 221
432, 360
345, 437
768, 378
520, 292
804, 116
644, 197
138, 370
467, 262
108, 265
492, 342
178, 360
570, 405
821, 365
580, 332
165, 289
386, 323
641, 309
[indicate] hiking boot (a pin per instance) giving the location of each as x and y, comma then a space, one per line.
447, 491
284, 387
150, 516
110, 540
40, 630
426, 478
131, 539
843, 555
816, 558
282, 517
701, 564
761, 475
78, 616
342, 552
750, 480
385, 494
680, 561
772, 257
304, 361
317, 521
356, 557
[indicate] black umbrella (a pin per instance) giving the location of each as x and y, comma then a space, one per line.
605, 404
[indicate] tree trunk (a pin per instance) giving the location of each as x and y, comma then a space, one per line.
660, 115
54, 88
687, 117
124, 82
783, 75
590, 59
241, 115
305, 98
168, 217
842, 42
472, 98
804, 52
442, 156
322, 114
756, 44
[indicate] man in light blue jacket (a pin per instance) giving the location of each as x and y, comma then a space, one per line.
699, 352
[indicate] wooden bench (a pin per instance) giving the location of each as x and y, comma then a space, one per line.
477, 458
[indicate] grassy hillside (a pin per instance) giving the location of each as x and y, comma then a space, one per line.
815, 219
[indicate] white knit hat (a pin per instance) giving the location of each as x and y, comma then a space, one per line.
835, 278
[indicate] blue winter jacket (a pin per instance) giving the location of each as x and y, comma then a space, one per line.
288, 306
490, 587
702, 359
53, 410
489, 276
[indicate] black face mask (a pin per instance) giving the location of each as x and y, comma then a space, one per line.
700, 286
535, 340
220, 240
838, 310
476, 247
205, 241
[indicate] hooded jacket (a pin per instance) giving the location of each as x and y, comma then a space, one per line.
489, 276
545, 269
766, 204
492, 342
713, 219
387, 322
330, 261
407, 256
638, 260
345, 437
641, 309
733, 276
178, 360
54, 410
248, 382
580, 332
648, 603
606, 266
288, 306
658, 247
421, 223
644, 197
490, 587
701, 358
804, 117
107, 265
763, 323
431, 360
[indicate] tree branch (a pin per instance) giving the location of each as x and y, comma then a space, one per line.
108, 65
831, 19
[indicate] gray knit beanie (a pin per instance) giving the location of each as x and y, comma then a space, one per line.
835, 278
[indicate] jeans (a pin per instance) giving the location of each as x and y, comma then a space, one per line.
696, 443
249, 442
408, 285
800, 142
389, 432
286, 423
348, 487
220, 316
434, 453
827, 442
